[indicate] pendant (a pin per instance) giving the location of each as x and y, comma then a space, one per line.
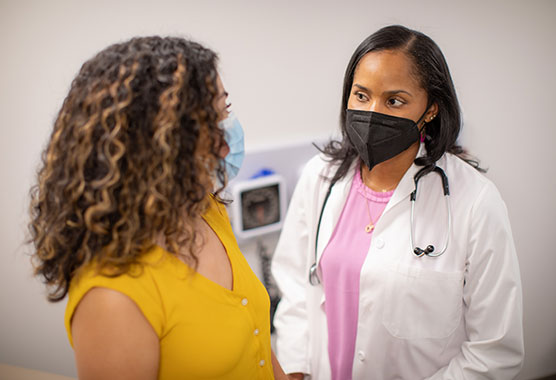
369, 227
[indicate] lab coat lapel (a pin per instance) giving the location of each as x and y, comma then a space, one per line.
406, 185
333, 209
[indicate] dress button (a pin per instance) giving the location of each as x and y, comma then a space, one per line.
379, 243
361, 355
256, 332
261, 363
244, 301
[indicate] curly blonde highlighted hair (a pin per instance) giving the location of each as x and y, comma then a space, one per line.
132, 156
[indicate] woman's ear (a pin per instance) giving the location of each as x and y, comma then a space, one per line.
431, 113
429, 116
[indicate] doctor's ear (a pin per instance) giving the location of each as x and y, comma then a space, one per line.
431, 113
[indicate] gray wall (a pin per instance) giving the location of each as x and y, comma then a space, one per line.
283, 63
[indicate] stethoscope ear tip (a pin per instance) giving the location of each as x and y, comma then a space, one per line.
418, 252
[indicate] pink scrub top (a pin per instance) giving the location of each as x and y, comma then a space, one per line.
341, 265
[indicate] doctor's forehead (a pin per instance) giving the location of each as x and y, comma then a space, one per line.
386, 68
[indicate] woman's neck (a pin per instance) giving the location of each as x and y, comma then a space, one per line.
386, 175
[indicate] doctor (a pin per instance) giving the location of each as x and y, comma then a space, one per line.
372, 289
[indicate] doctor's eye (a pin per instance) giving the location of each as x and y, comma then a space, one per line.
360, 96
395, 102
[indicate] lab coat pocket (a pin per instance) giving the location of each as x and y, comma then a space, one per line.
422, 303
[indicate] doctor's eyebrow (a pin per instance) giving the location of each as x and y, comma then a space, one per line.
395, 92
361, 87
391, 92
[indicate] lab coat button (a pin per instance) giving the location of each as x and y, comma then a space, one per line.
379, 243
244, 301
261, 363
361, 356
256, 332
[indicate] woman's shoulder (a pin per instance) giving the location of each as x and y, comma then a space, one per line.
318, 162
467, 181
140, 283
458, 170
152, 257
319, 166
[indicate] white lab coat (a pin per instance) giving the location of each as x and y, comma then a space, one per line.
457, 316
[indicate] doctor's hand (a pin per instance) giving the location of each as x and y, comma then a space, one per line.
279, 373
295, 376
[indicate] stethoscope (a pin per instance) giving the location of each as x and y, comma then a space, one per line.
419, 252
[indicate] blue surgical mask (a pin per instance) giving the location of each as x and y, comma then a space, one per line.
233, 134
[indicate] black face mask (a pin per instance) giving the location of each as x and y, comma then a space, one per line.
378, 137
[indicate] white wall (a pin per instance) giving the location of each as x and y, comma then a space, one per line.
283, 63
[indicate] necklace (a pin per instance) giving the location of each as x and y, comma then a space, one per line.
371, 226
374, 187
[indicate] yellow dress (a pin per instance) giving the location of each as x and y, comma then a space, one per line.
205, 330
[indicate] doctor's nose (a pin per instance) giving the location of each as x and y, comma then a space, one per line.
376, 106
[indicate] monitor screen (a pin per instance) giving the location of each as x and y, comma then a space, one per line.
260, 207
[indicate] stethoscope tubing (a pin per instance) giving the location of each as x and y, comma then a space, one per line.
313, 276
429, 251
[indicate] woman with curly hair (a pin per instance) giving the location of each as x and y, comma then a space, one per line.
126, 222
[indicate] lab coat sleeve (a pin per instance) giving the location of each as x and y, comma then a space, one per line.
289, 268
492, 297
